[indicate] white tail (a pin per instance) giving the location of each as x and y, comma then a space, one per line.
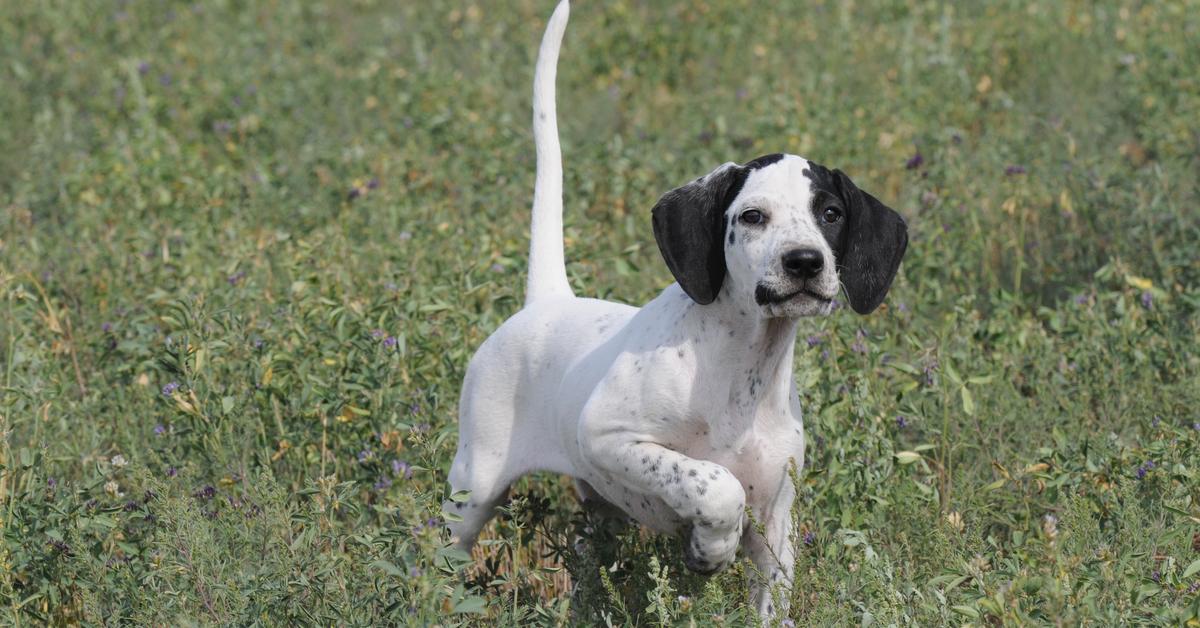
547, 268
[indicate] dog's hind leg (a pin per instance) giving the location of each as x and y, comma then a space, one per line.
486, 491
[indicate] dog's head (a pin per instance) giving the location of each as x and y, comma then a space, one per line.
785, 231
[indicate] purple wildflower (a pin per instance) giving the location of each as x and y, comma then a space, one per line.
51, 483
1156, 575
809, 538
415, 572
915, 161
354, 193
235, 278
131, 506
61, 547
814, 341
1147, 299
1196, 426
160, 429
372, 184
497, 268
258, 343
143, 68
901, 422
206, 493
1144, 469
172, 472
1014, 170
1081, 299
1195, 587
1155, 421
364, 455
858, 347
389, 342
383, 483
402, 468
106, 327
378, 333
414, 409
170, 388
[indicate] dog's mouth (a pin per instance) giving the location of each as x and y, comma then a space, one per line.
766, 296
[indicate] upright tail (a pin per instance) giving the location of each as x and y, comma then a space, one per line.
547, 268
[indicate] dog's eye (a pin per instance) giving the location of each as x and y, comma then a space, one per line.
831, 214
753, 217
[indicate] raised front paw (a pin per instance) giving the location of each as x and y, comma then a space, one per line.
710, 549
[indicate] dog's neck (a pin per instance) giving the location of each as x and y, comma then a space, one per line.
750, 352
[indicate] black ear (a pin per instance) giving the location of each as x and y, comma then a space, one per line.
872, 246
689, 226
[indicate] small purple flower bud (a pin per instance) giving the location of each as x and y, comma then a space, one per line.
1014, 170
383, 483
160, 429
901, 422
810, 538
143, 68
402, 468
172, 472
389, 342
364, 455
170, 388
378, 333
372, 184
814, 341
106, 327
51, 483
1081, 299
1147, 299
497, 268
915, 161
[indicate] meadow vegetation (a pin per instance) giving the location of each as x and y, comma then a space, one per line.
247, 249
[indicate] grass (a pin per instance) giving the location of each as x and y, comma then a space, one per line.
249, 247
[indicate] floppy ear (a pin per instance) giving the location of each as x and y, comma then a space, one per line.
689, 226
874, 242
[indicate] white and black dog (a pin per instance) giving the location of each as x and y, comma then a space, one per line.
683, 413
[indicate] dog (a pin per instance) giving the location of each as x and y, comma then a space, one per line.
682, 414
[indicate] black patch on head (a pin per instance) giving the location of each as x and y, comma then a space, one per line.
868, 242
689, 226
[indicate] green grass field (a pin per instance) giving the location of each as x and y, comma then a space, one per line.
248, 247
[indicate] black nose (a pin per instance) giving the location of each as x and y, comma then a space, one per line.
803, 263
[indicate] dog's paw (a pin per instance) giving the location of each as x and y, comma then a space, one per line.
708, 550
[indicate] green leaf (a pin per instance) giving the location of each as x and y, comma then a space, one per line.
473, 604
390, 568
1192, 569
226, 404
965, 610
968, 402
907, 457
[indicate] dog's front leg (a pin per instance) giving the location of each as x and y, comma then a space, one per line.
704, 494
773, 555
